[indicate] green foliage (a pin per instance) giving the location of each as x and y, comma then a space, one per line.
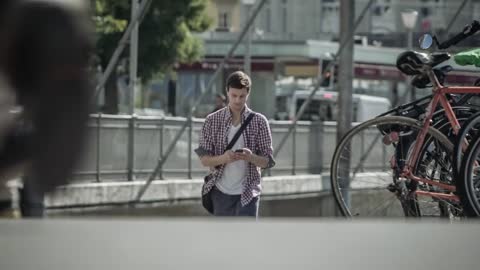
165, 33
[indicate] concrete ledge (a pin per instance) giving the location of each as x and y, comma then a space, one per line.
91, 194
293, 184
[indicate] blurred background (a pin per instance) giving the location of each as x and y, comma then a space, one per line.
287, 47
158, 66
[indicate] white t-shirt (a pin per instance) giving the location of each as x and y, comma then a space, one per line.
235, 172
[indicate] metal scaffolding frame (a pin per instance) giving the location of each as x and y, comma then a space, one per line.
137, 18
319, 83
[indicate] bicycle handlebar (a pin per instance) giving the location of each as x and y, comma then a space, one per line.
467, 31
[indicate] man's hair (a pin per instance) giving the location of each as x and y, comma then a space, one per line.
239, 80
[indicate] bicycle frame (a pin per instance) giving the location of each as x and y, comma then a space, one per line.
439, 97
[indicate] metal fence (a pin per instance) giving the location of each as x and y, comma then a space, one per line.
106, 158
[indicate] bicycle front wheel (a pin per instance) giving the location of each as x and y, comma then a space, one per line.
468, 185
366, 166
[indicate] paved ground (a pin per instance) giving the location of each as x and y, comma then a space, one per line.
235, 244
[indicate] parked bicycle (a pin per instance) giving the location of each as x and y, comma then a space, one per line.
403, 162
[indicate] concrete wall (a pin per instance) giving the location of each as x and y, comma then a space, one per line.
283, 196
96, 194
312, 205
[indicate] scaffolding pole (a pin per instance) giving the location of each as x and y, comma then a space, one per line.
345, 73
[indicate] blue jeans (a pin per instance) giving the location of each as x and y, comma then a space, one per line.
230, 205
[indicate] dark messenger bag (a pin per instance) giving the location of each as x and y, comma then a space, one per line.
207, 198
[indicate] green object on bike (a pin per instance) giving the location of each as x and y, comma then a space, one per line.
470, 57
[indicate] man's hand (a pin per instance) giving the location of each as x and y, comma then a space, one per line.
229, 156
246, 155
214, 161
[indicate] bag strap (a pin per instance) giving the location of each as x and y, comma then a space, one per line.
239, 132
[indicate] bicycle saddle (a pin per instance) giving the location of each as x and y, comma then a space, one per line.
412, 62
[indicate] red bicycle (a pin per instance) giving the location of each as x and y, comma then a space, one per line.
399, 166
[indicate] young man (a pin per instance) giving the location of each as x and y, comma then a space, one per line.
235, 174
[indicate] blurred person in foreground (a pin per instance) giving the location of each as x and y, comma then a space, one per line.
234, 182
45, 48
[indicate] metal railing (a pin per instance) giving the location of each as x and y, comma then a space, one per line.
308, 150
106, 157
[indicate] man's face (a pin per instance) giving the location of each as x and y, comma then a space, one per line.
237, 98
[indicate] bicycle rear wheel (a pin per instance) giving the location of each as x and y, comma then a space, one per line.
366, 182
469, 129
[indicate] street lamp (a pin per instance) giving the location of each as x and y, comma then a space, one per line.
409, 19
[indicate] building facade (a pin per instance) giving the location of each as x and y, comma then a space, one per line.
292, 38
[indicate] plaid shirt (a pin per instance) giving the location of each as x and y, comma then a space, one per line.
257, 138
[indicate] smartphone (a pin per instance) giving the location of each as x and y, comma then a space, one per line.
239, 151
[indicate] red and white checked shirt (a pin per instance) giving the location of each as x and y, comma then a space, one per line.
257, 137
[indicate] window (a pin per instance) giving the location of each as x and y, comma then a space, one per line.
381, 21
223, 21
330, 14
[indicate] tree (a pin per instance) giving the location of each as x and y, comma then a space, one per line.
165, 37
